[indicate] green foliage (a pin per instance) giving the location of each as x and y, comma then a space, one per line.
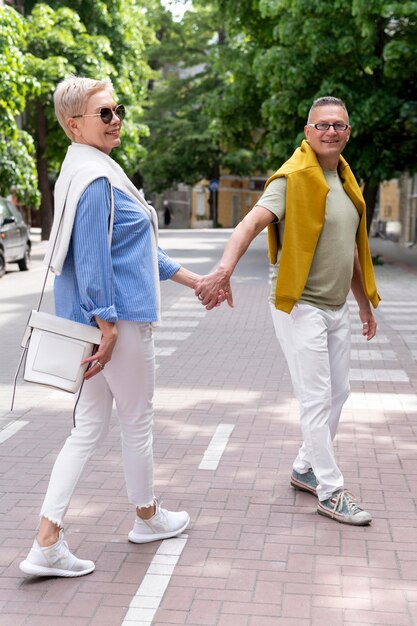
197, 111
105, 38
222, 88
180, 146
58, 44
18, 170
14, 83
93, 39
17, 164
362, 52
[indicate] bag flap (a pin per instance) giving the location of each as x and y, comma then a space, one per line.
62, 326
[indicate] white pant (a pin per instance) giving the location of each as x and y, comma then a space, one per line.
316, 345
129, 378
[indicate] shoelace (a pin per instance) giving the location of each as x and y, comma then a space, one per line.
345, 499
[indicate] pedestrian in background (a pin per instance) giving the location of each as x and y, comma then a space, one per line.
167, 214
116, 289
318, 245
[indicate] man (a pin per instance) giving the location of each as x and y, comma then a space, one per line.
318, 244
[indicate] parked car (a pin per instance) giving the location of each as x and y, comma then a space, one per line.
15, 244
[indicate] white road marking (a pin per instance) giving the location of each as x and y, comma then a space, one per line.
148, 597
376, 341
180, 323
216, 447
160, 335
11, 429
378, 375
373, 355
404, 402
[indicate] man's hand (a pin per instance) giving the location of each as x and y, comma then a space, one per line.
213, 289
368, 323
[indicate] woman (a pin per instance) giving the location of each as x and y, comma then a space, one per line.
116, 287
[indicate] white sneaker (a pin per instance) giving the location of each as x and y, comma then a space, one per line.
55, 560
162, 525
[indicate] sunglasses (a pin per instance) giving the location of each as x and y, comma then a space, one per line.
106, 114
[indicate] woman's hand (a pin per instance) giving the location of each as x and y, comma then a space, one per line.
214, 289
193, 280
105, 349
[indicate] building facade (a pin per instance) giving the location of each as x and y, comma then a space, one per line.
225, 204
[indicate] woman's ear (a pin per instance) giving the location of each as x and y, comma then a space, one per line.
73, 126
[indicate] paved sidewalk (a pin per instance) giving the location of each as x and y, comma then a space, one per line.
256, 552
393, 253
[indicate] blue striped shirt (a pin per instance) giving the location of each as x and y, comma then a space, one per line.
112, 286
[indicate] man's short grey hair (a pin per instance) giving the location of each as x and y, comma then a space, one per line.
71, 95
327, 100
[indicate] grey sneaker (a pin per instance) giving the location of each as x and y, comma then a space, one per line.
56, 560
343, 508
162, 525
304, 482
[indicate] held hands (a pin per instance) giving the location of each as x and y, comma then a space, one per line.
213, 289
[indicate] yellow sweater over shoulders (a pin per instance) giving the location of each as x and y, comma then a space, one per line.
306, 192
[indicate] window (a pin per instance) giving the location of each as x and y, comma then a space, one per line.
4, 210
257, 184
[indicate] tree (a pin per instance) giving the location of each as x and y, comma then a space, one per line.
181, 146
57, 45
362, 52
105, 39
17, 163
189, 139
125, 26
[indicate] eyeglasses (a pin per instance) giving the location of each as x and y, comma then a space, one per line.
339, 128
106, 114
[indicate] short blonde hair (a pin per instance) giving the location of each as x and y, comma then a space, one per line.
71, 95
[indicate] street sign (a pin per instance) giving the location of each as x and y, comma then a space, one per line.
214, 184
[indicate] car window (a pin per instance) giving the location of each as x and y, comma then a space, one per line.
4, 210
14, 211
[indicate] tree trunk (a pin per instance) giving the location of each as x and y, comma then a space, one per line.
370, 193
42, 166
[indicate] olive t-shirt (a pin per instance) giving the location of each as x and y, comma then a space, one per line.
330, 275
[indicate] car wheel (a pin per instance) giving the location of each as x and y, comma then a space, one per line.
2, 264
24, 264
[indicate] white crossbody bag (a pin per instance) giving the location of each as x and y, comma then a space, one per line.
53, 347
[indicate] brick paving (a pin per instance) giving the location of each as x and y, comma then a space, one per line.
256, 552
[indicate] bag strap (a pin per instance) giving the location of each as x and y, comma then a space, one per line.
22, 356
25, 349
